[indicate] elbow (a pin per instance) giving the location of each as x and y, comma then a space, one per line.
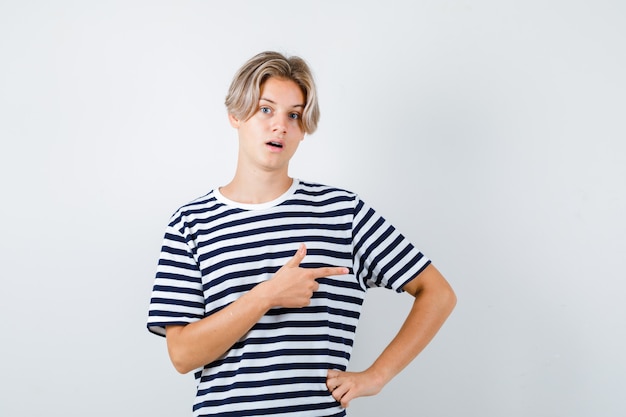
445, 297
184, 359
448, 300
442, 297
184, 352
179, 356
182, 368
179, 364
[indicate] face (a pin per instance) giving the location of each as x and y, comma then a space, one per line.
269, 139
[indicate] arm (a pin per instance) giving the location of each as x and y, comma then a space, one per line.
434, 301
194, 345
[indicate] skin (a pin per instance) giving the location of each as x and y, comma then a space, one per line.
262, 170
433, 302
262, 176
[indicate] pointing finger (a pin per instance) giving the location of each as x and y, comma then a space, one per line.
330, 270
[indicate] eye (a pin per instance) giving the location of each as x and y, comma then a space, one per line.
294, 116
265, 109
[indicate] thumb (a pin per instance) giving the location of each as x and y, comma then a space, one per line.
298, 256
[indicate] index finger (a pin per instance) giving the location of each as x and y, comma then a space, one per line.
327, 271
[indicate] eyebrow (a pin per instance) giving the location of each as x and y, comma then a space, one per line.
273, 102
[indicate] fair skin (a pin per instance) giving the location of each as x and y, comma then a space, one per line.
267, 141
433, 302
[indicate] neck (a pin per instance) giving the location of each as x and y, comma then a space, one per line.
257, 187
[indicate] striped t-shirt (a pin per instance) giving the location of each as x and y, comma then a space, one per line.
215, 250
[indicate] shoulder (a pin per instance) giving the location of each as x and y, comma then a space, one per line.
199, 207
316, 189
328, 197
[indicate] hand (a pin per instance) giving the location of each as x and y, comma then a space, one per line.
293, 286
346, 386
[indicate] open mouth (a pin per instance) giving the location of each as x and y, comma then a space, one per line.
275, 144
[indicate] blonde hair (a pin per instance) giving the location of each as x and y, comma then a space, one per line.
245, 90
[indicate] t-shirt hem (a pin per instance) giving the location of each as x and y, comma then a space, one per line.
400, 289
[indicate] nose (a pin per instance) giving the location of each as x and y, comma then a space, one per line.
280, 123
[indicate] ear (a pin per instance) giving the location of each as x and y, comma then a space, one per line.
234, 122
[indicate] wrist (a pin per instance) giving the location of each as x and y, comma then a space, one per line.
379, 375
263, 295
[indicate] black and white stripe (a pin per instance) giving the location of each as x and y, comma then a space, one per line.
215, 250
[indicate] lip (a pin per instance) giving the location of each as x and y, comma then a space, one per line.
275, 145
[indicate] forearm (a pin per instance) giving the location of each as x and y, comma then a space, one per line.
197, 344
433, 303
427, 315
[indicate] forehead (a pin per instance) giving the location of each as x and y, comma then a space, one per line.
282, 91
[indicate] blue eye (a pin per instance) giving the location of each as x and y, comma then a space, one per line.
294, 116
265, 109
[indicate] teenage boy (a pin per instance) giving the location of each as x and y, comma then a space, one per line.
260, 282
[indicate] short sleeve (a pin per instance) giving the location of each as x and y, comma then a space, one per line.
383, 257
177, 296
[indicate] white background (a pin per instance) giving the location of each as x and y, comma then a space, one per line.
492, 133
